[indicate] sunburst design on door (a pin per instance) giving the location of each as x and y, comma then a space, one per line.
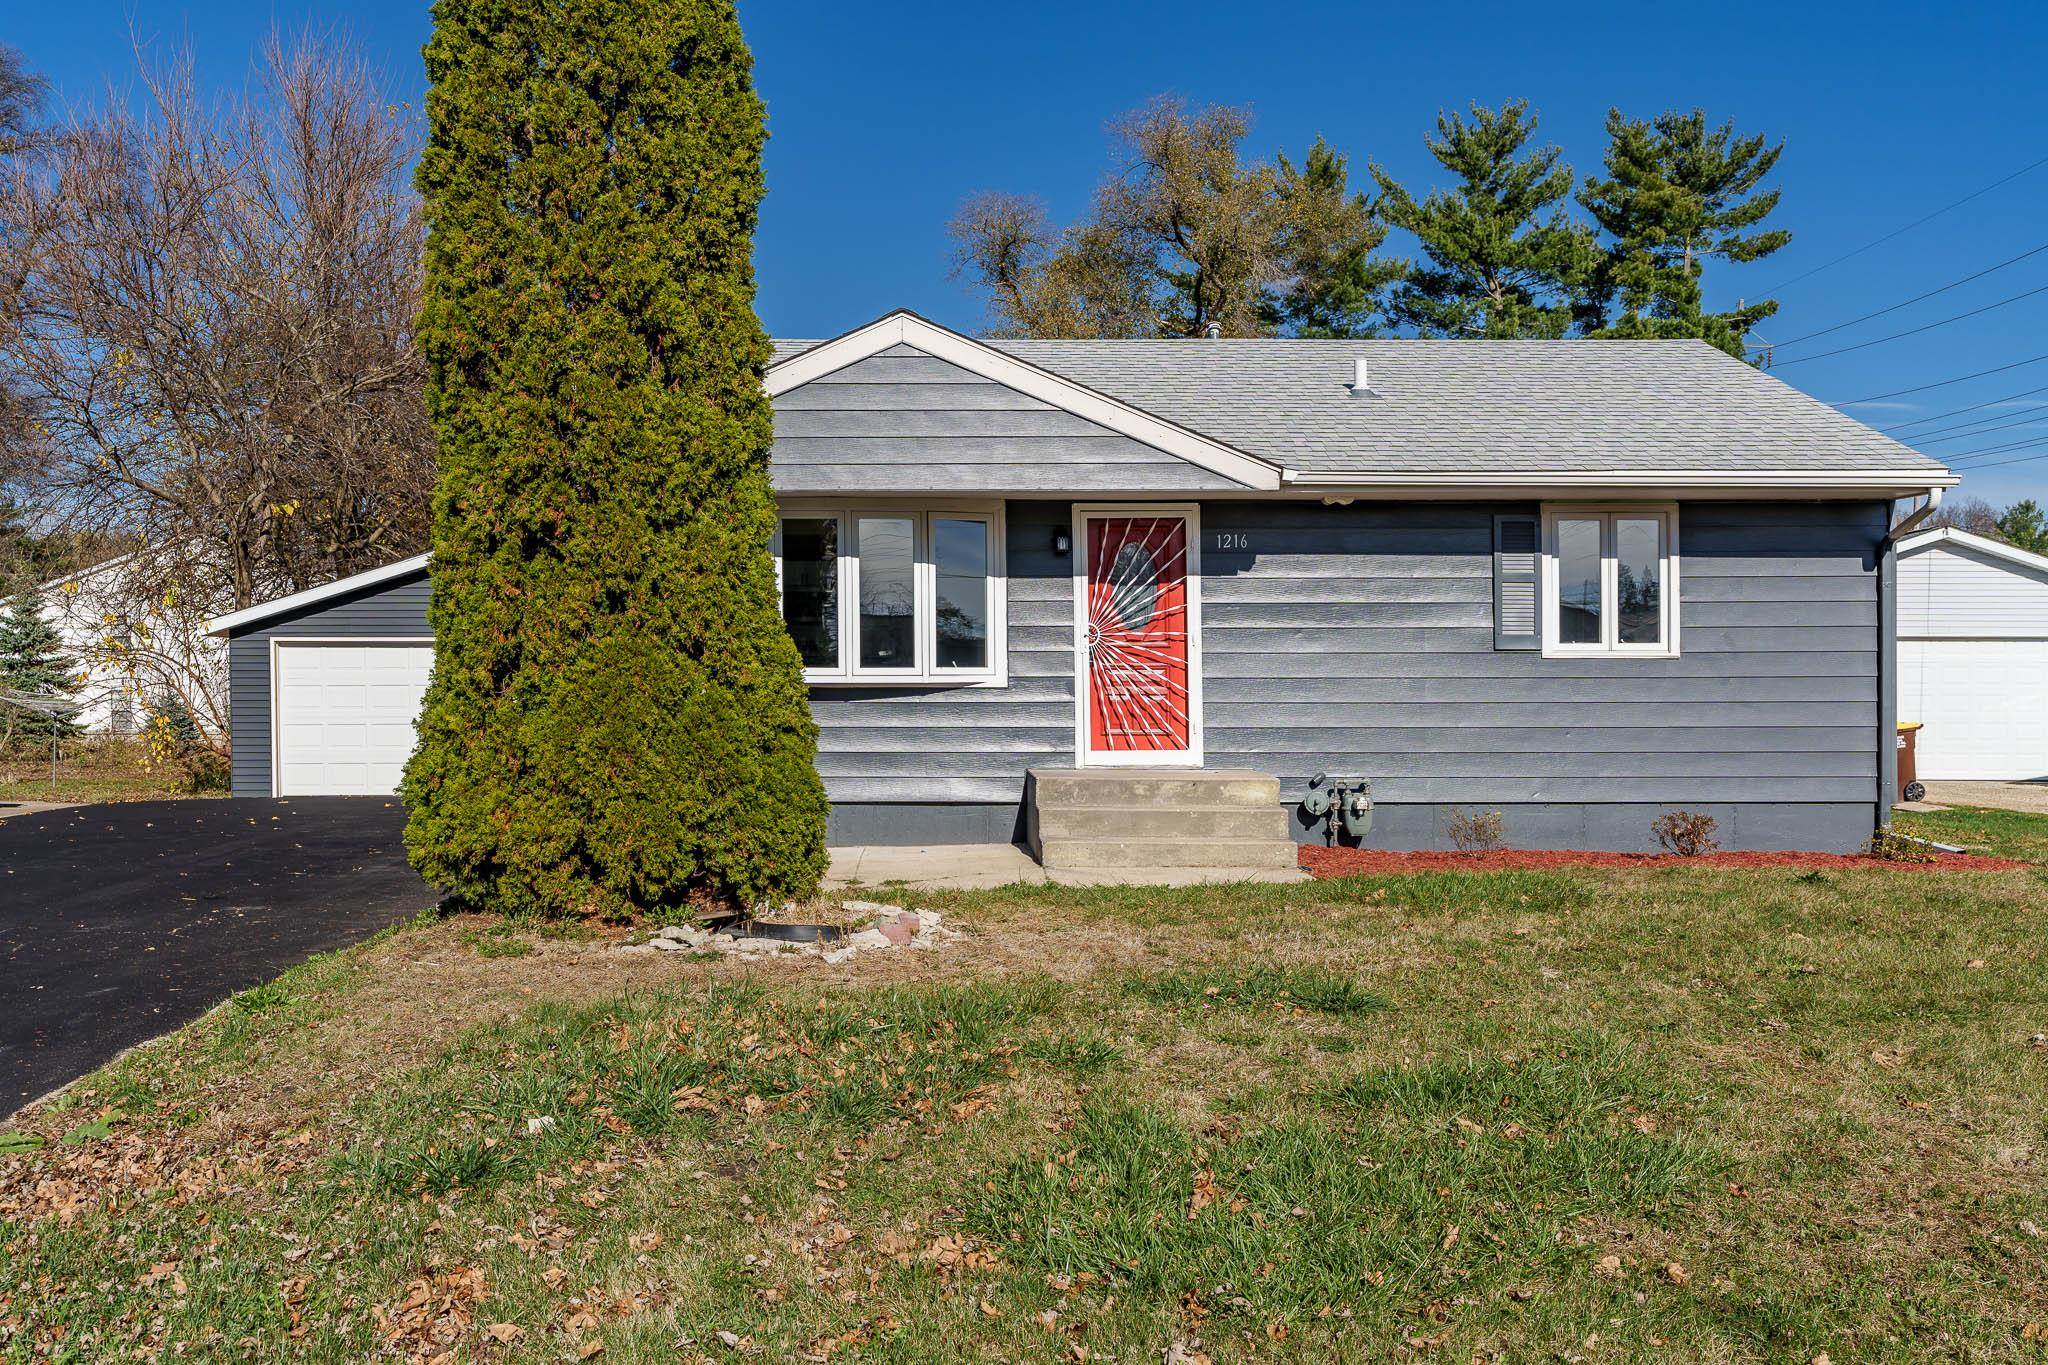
1137, 638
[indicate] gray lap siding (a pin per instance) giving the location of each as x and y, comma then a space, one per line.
1358, 640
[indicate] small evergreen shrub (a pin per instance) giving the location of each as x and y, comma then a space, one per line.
173, 743
1688, 833
617, 721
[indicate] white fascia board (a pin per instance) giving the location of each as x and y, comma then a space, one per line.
341, 587
1968, 540
982, 359
1719, 482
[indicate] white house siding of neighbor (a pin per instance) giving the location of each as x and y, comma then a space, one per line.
1581, 583
1973, 656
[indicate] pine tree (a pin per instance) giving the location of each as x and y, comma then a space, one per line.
2025, 525
1335, 285
32, 663
617, 719
1678, 194
1504, 257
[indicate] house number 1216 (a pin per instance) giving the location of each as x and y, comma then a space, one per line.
1233, 540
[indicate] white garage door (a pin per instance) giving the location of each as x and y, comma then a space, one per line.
345, 716
1985, 704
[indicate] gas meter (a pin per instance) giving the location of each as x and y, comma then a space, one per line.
1341, 805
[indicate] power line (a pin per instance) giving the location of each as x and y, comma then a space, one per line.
1999, 422
1898, 232
1918, 298
1995, 464
1944, 383
1959, 457
1913, 331
1957, 412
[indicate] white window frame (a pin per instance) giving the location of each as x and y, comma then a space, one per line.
1609, 645
920, 513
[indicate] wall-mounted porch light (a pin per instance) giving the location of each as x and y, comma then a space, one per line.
1062, 543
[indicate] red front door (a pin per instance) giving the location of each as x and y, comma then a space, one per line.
1138, 688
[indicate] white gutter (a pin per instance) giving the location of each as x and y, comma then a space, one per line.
1877, 482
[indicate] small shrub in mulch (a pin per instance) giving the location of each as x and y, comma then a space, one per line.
1373, 862
1688, 833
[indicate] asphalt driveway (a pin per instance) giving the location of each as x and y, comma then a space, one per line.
119, 922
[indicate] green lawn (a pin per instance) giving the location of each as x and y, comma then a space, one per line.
1669, 1113
2003, 833
88, 772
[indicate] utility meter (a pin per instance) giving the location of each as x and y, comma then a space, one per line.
1317, 802
1358, 811
1341, 805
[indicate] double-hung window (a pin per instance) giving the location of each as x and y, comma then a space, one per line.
1610, 580
893, 594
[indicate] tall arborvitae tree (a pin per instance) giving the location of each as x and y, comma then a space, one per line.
1333, 284
1504, 257
617, 720
1677, 194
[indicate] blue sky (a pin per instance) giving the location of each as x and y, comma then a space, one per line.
883, 117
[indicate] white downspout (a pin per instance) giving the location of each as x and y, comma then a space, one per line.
1914, 518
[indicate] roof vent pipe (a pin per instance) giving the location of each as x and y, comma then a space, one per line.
1361, 385
1214, 331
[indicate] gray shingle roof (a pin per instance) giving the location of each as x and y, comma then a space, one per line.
1447, 407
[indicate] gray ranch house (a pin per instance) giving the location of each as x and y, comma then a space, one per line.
1140, 592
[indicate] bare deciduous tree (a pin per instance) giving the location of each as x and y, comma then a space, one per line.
1185, 234
214, 308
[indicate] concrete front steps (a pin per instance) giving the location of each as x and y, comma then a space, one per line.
1148, 826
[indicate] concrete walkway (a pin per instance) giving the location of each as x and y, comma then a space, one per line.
9, 809
966, 867
2030, 797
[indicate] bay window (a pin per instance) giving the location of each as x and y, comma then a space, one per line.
1610, 580
880, 595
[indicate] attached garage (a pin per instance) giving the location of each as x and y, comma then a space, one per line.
325, 686
1973, 656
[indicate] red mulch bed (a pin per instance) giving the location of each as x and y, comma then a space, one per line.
1374, 862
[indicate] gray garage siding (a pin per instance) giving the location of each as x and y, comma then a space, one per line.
394, 610
904, 419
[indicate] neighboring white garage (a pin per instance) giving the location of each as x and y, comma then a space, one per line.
1973, 656
345, 714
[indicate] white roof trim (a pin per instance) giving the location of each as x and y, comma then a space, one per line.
340, 587
1875, 482
905, 328
1969, 540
